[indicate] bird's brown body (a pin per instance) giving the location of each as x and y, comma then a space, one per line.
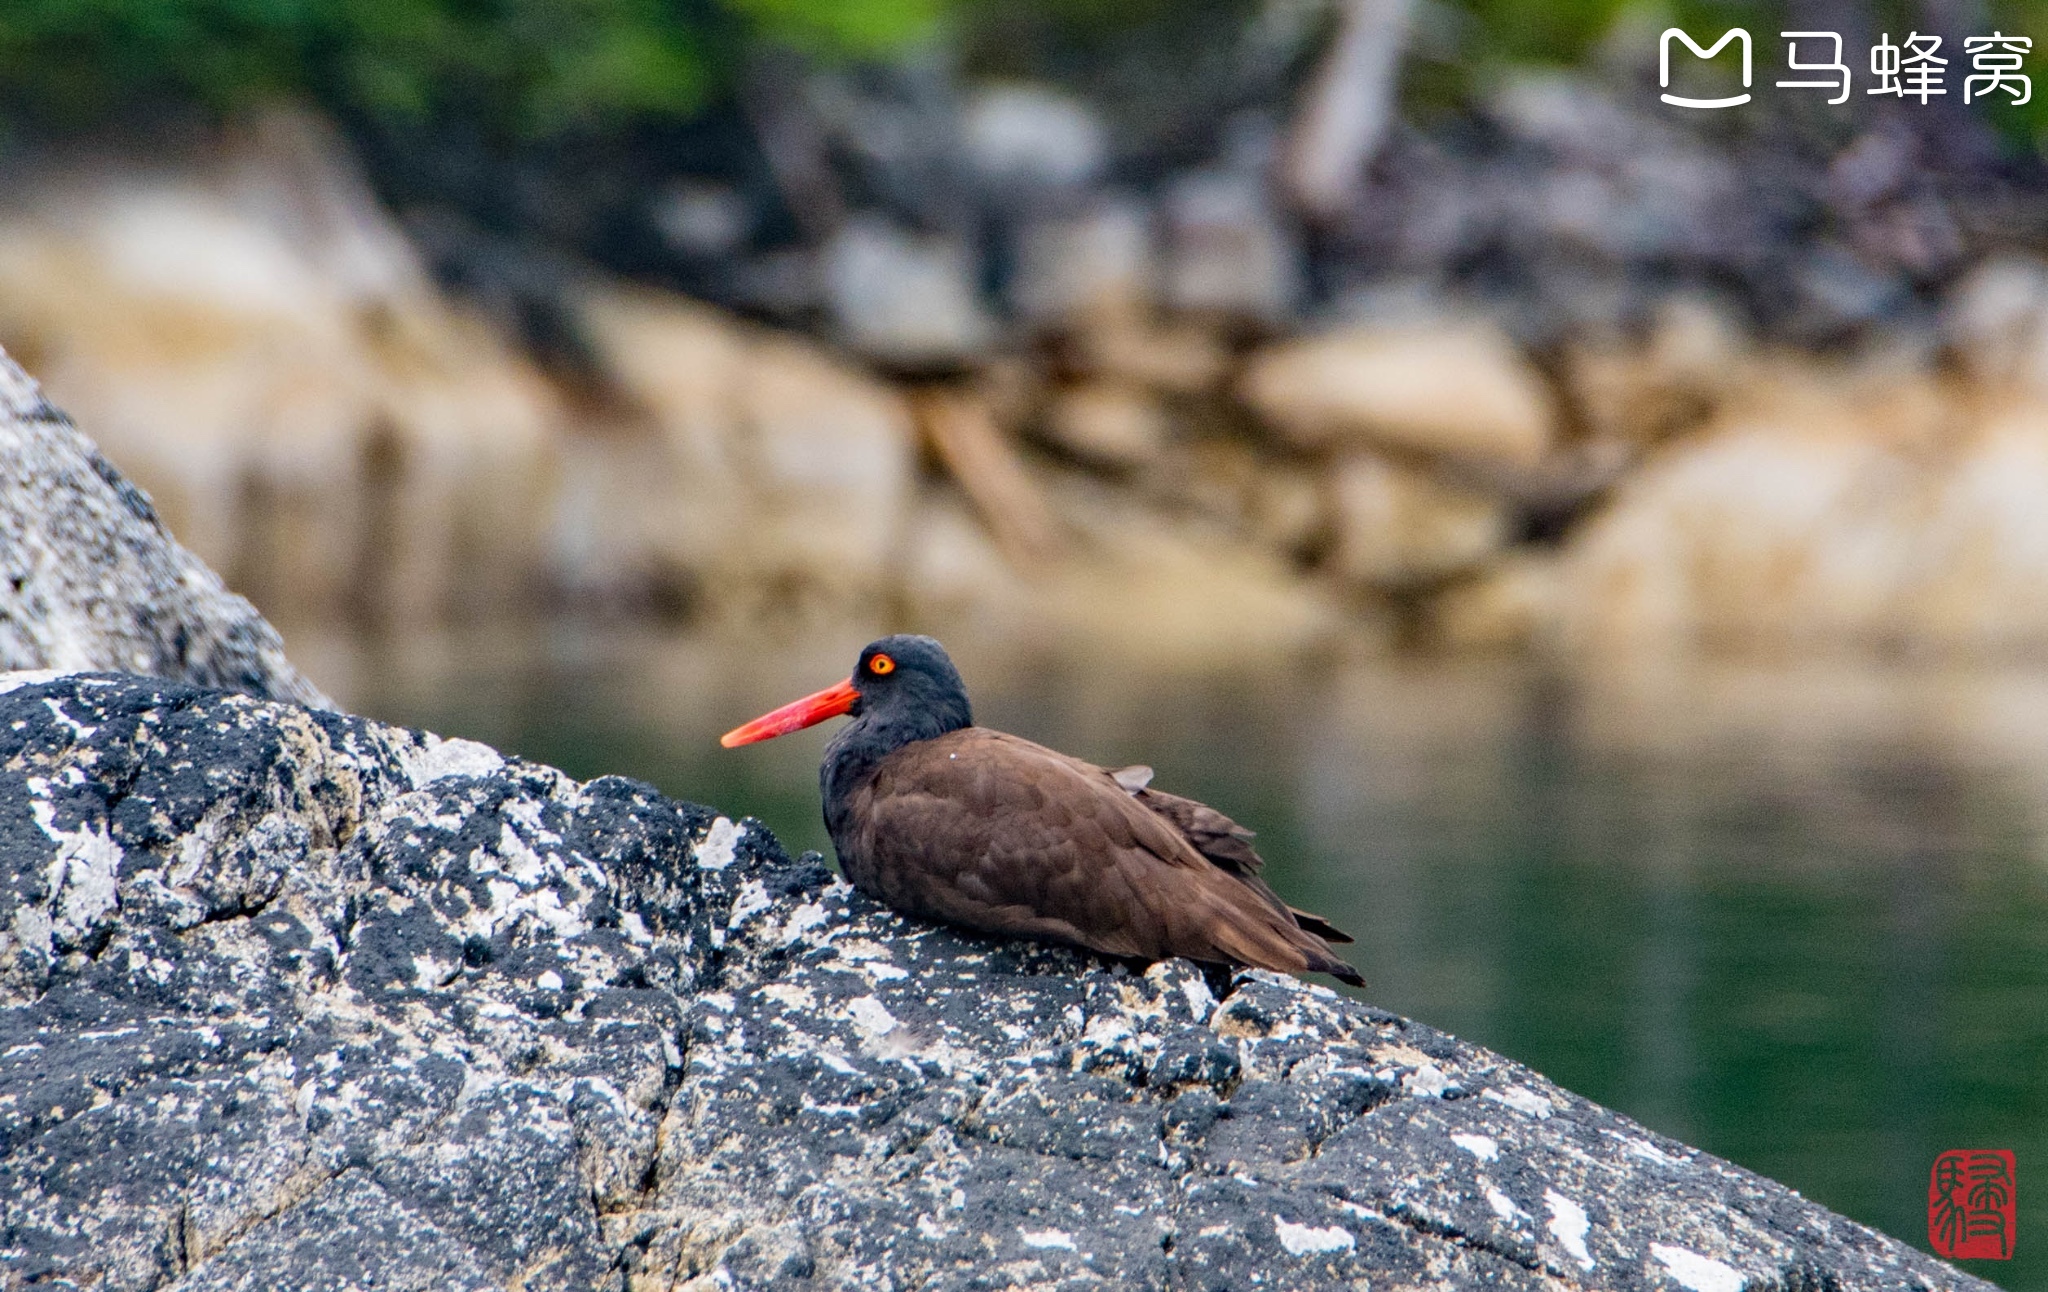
990, 831
973, 827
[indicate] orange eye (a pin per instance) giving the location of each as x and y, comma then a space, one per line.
881, 666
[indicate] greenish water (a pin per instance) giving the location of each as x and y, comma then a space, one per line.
1794, 913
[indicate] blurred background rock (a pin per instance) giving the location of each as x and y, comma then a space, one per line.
1602, 547
1397, 322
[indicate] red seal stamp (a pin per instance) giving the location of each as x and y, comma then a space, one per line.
1972, 1204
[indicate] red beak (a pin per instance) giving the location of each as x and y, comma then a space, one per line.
794, 716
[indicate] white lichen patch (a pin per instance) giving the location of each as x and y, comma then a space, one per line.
529, 815
1568, 1225
32, 929
860, 949
518, 859
1695, 1272
1041, 1239
83, 877
870, 1017
802, 920
1649, 1152
1504, 1206
790, 995
435, 759
15, 679
752, 900
866, 957
79, 730
1523, 1100
1201, 1001
1484, 1147
1304, 1240
509, 905
432, 974
719, 845
197, 845
1107, 1031
1426, 1082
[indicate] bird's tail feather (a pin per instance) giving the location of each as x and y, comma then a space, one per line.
1268, 945
1319, 926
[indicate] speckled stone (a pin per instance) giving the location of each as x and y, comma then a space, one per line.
91, 579
292, 1000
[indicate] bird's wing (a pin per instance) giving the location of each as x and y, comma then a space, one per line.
1214, 835
1229, 846
997, 833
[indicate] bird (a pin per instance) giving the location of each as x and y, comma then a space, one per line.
964, 825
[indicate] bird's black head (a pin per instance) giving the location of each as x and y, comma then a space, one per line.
904, 688
908, 687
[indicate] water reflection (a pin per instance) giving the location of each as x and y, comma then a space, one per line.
1793, 912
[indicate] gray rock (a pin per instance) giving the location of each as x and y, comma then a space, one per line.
290, 999
702, 219
1094, 260
1018, 138
1996, 324
904, 299
1229, 252
93, 580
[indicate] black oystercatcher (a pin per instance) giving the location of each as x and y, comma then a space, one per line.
949, 821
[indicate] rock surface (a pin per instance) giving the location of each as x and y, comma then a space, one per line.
290, 999
1108, 424
1072, 264
903, 299
246, 331
1459, 389
93, 580
1397, 526
1872, 510
753, 460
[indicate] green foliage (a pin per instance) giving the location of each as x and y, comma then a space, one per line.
530, 67
845, 27
535, 68
1545, 31
2027, 124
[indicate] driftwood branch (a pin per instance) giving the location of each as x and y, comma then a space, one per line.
964, 436
1347, 106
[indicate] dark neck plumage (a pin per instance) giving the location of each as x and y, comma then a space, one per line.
879, 731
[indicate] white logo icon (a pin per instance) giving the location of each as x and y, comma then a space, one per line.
1664, 66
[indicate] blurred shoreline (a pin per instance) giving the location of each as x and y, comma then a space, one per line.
1552, 371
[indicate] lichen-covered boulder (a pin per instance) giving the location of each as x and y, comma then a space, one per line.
291, 1000
90, 577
